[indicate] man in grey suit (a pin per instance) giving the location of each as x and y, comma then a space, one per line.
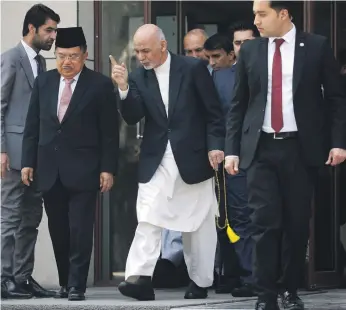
21, 206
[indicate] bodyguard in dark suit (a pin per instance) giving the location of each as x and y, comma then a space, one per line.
70, 150
281, 128
21, 207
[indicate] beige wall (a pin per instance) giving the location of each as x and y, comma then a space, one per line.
12, 16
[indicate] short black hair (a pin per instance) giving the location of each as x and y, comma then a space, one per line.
37, 16
242, 26
218, 42
281, 5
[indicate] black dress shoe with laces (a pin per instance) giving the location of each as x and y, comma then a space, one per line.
9, 289
291, 301
36, 289
75, 294
62, 293
246, 290
267, 305
140, 289
195, 292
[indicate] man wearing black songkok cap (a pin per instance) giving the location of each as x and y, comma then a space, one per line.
70, 149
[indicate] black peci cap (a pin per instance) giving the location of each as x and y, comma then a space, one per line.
70, 37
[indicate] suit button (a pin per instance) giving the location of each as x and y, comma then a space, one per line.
169, 130
56, 148
59, 131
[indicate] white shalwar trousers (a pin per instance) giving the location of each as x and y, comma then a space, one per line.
199, 251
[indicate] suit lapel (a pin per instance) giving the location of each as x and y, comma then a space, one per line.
299, 60
263, 64
54, 90
154, 90
25, 63
175, 80
81, 87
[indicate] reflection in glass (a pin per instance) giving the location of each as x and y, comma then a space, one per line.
120, 19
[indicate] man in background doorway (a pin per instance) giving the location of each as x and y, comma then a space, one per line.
194, 43
219, 52
21, 206
239, 212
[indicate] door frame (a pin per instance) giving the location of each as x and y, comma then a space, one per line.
324, 279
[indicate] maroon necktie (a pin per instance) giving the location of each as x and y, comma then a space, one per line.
277, 117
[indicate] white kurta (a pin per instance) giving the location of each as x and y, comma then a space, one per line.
166, 200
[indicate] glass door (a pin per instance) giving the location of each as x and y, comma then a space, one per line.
116, 22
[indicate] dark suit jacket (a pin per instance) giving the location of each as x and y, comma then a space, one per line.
321, 119
224, 83
84, 144
194, 125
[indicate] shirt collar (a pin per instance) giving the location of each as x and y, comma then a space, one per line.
288, 37
164, 68
75, 78
29, 50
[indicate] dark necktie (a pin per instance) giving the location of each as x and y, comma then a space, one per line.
277, 117
39, 64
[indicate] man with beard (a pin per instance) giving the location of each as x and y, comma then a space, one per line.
182, 143
21, 206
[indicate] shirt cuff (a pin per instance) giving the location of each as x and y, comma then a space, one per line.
123, 93
231, 156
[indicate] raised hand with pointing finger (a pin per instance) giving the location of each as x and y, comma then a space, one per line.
119, 74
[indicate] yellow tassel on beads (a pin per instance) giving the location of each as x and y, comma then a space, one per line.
232, 236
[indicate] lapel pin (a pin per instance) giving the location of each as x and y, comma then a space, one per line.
301, 44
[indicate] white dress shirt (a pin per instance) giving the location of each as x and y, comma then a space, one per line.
287, 55
31, 55
62, 85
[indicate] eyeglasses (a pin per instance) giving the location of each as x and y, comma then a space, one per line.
73, 57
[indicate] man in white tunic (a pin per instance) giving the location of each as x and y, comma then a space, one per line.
183, 139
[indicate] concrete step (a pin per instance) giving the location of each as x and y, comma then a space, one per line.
110, 298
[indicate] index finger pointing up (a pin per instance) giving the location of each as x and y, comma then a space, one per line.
113, 61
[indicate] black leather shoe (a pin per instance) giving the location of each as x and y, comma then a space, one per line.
140, 289
75, 294
195, 292
246, 290
36, 289
226, 285
9, 289
62, 293
267, 305
291, 301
